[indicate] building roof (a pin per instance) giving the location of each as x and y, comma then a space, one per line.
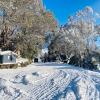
7, 52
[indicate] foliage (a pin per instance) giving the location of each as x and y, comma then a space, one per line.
77, 38
24, 26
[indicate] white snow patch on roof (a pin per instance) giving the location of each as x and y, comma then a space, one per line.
7, 52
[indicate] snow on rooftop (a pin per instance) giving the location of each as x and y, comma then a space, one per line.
7, 53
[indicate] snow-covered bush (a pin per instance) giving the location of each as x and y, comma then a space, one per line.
77, 37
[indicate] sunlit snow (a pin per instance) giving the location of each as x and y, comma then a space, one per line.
49, 81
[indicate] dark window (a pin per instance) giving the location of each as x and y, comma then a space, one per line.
11, 58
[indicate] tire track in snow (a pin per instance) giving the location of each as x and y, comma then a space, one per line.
61, 84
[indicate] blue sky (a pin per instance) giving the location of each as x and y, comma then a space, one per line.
1, 13
64, 8
98, 41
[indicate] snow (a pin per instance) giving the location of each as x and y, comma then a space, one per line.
45, 50
21, 60
49, 81
7, 52
89, 9
97, 15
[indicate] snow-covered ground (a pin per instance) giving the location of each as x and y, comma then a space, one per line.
50, 81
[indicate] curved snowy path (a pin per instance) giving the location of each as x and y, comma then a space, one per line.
49, 82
